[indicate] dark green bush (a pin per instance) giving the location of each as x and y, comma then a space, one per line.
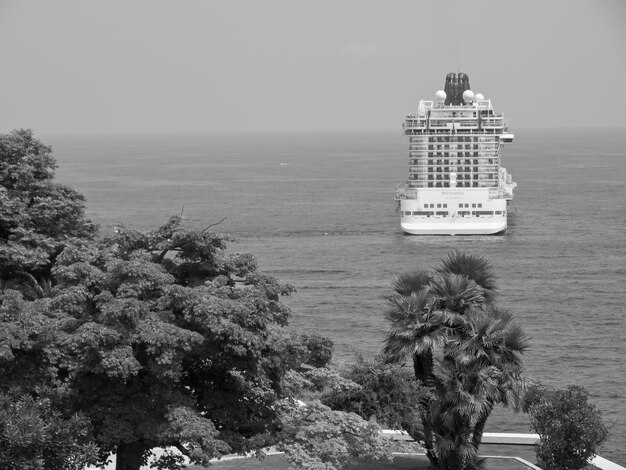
570, 428
388, 393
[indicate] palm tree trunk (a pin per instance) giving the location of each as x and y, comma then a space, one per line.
434, 462
130, 455
423, 368
477, 435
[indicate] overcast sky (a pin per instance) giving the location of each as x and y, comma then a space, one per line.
82, 66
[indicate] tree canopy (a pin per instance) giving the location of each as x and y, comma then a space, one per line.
570, 428
146, 339
161, 339
37, 214
465, 349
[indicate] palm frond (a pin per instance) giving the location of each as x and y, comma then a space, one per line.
405, 308
456, 292
409, 323
477, 268
410, 283
516, 340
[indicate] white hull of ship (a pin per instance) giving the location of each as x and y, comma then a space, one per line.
458, 211
436, 227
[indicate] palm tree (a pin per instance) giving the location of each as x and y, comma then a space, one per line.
464, 348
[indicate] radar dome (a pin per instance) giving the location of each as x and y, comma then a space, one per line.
479, 96
440, 95
468, 96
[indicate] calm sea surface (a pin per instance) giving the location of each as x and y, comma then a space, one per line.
318, 212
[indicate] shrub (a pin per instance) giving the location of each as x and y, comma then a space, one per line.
387, 393
570, 428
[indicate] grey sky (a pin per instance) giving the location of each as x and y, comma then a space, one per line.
82, 66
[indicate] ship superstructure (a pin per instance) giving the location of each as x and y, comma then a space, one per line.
456, 184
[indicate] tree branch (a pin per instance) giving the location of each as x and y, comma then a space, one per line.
159, 258
213, 225
162, 255
34, 284
182, 449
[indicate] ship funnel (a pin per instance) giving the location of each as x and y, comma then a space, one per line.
456, 84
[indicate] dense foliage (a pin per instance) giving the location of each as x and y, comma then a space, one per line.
145, 340
35, 435
570, 428
38, 218
465, 350
37, 215
316, 437
386, 393
318, 433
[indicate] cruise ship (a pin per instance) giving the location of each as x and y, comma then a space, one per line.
456, 185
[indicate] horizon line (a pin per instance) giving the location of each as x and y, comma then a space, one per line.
259, 132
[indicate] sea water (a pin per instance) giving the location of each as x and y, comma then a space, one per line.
318, 211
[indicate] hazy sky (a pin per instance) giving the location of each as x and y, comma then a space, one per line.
82, 66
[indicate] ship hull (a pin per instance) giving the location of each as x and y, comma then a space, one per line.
454, 228
467, 211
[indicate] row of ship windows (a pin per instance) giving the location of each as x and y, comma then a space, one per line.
446, 147
458, 131
461, 205
458, 169
440, 161
456, 138
424, 153
445, 177
463, 121
453, 148
459, 184
462, 213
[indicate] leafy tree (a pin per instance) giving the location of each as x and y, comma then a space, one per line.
145, 340
464, 348
37, 215
34, 435
168, 341
387, 393
155, 354
570, 428
313, 435
37, 218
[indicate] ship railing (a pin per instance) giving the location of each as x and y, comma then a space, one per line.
492, 122
415, 123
